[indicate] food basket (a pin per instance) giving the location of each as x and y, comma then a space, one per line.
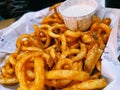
110, 64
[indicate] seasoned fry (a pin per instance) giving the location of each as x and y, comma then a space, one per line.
73, 34
8, 81
62, 63
96, 75
89, 85
92, 58
58, 83
67, 74
58, 28
63, 42
98, 65
81, 54
38, 69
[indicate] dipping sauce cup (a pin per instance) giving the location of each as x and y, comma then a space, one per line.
77, 14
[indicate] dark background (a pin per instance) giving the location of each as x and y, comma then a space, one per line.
112, 3
16, 8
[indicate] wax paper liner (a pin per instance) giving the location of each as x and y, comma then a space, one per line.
110, 64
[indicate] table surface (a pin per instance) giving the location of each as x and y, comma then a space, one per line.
6, 23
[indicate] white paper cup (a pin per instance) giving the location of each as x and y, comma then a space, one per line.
78, 22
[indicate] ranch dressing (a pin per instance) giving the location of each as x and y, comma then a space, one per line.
78, 10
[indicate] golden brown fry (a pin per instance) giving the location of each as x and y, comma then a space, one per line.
55, 6
61, 63
96, 75
92, 58
73, 34
69, 52
104, 31
50, 20
42, 35
98, 65
90, 84
106, 21
32, 48
67, 74
39, 73
8, 81
63, 42
58, 28
58, 83
78, 66
81, 54
87, 38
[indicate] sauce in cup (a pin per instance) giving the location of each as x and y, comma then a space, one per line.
78, 10
77, 14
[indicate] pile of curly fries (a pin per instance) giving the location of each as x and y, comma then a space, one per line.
56, 58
